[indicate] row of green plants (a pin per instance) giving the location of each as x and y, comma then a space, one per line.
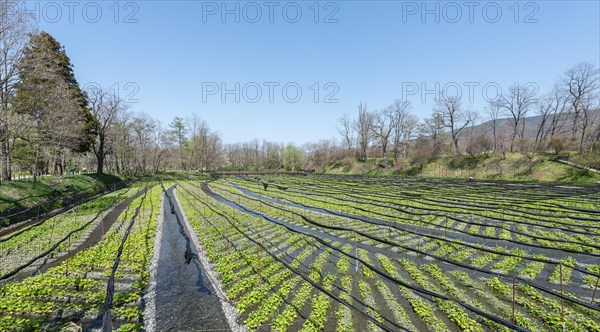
378, 207
510, 265
271, 295
465, 212
15, 249
527, 211
536, 198
74, 291
481, 260
505, 264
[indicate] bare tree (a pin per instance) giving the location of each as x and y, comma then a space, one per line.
582, 84
213, 153
559, 111
14, 27
199, 132
474, 132
319, 154
551, 109
544, 107
494, 112
478, 143
362, 126
432, 128
345, 130
453, 117
106, 107
596, 140
517, 104
405, 125
383, 124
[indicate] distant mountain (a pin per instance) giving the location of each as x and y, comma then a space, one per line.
532, 123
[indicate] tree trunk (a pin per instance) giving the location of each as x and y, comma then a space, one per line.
5, 152
35, 165
512, 139
455, 141
100, 155
596, 144
582, 137
100, 166
495, 137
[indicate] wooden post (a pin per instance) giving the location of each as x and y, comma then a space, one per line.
356, 253
312, 261
126, 247
562, 307
68, 254
260, 274
513, 299
51, 233
595, 288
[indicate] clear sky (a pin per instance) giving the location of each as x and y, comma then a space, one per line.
169, 58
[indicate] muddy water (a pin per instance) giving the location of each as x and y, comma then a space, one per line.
185, 298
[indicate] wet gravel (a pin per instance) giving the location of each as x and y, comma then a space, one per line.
181, 296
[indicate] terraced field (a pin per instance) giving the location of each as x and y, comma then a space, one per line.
318, 253
366, 254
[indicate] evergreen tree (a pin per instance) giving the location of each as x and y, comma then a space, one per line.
178, 131
49, 96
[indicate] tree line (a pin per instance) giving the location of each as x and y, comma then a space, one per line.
565, 118
50, 125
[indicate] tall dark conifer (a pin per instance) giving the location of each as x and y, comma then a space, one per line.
50, 97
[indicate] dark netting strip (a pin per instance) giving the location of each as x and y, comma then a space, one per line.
69, 197
306, 278
573, 195
53, 214
358, 200
460, 220
298, 272
110, 286
382, 273
65, 238
403, 227
548, 207
502, 275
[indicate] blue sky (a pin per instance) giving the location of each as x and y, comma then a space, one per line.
169, 58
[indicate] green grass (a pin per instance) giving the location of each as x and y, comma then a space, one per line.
24, 193
587, 159
511, 167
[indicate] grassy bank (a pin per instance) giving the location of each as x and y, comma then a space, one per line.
511, 167
24, 193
